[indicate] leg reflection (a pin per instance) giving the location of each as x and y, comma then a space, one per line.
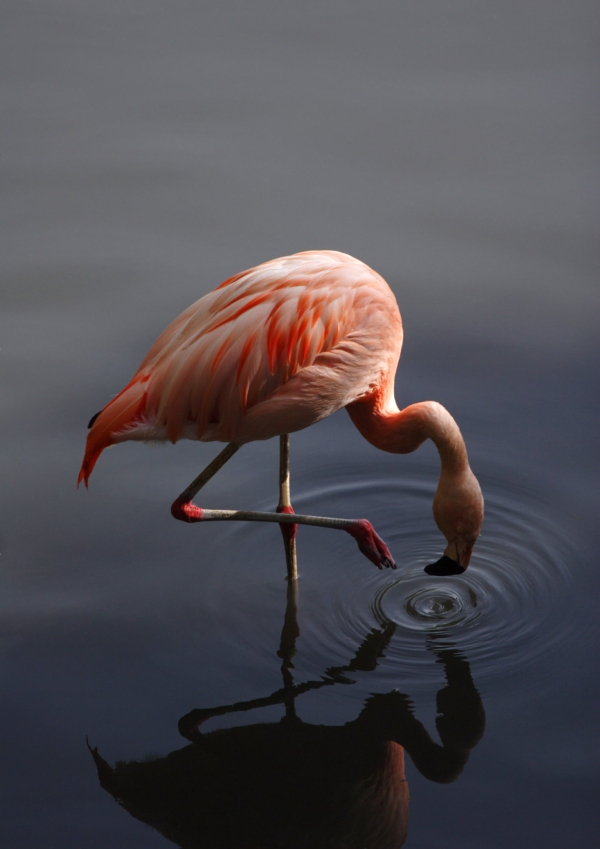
287, 646
292, 783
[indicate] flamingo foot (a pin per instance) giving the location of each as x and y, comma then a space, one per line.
371, 545
185, 511
289, 531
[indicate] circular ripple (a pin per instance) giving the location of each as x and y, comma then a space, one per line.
436, 608
511, 606
514, 604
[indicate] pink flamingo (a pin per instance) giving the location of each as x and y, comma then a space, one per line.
271, 351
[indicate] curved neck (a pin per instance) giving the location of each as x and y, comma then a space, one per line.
402, 431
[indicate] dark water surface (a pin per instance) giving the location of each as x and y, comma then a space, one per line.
151, 150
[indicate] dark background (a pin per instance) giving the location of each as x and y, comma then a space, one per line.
149, 151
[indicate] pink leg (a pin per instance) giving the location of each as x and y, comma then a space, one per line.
288, 531
371, 545
183, 509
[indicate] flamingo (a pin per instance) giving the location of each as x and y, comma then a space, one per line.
271, 351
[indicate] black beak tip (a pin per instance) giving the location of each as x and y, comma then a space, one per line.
93, 419
444, 566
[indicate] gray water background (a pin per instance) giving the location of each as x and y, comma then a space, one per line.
149, 151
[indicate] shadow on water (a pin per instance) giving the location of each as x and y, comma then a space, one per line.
297, 784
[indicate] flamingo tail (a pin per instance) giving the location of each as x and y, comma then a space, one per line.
109, 425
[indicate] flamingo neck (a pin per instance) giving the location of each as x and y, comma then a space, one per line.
402, 431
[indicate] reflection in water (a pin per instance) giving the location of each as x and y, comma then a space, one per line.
294, 784
516, 602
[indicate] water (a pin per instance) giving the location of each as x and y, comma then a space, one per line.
149, 153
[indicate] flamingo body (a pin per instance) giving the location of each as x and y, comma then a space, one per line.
270, 351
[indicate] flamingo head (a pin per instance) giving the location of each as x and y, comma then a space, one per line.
458, 513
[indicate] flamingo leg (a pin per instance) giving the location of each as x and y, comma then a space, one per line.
371, 545
204, 477
285, 506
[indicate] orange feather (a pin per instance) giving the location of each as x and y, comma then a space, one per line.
233, 365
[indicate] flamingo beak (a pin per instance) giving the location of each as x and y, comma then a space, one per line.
464, 551
455, 559
444, 566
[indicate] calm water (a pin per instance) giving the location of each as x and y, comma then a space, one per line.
150, 151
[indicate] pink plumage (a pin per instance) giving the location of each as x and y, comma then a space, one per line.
270, 351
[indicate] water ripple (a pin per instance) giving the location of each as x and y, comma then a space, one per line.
511, 606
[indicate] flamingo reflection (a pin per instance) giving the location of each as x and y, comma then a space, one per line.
295, 784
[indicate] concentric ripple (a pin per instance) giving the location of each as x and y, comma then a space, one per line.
443, 606
514, 604
511, 606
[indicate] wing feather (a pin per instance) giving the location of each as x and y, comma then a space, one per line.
303, 330
239, 344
